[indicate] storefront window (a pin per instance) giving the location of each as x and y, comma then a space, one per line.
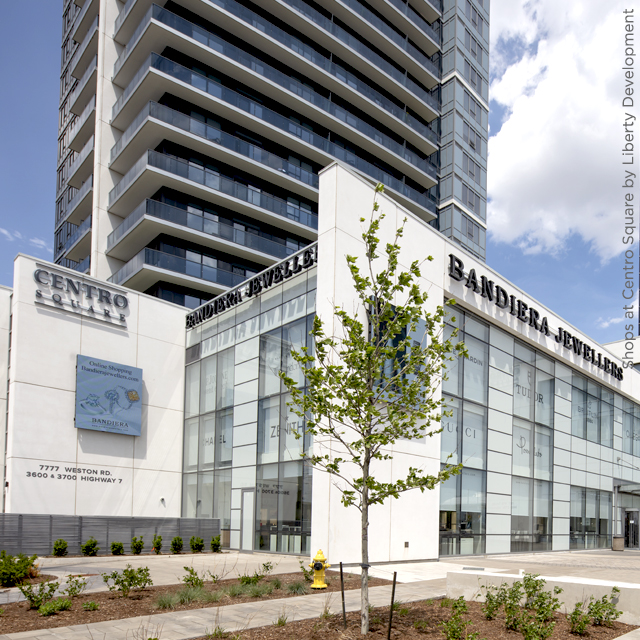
192, 390
449, 435
530, 515
190, 448
224, 438
578, 413
544, 398
543, 453
592, 414
590, 522
522, 442
476, 370
270, 363
268, 430
226, 360
208, 388
207, 442
523, 389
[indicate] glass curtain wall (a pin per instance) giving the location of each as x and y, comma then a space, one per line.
239, 434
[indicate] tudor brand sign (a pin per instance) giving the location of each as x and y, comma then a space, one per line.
78, 296
528, 315
271, 277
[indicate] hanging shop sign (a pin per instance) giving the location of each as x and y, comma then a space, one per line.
528, 315
108, 396
59, 291
271, 277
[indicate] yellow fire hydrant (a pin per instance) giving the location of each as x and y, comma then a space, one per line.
319, 565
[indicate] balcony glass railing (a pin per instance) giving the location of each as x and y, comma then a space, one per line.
82, 156
394, 36
82, 118
417, 19
85, 43
243, 103
80, 231
122, 16
221, 47
80, 195
176, 264
93, 65
213, 134
340, 34
214, 228
216, 182
80, 16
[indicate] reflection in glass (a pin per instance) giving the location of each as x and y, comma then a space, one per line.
592, 415
190, 448
270, 358
268, 430
192, 390
476, 370
523, 390
224, 438
226, 360
208, 384
578, 414
449, 435
207, 442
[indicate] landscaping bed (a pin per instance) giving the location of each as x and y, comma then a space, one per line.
112, 606
412, 621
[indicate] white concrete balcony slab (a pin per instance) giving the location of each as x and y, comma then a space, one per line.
86, 51
160, 28
83, 127
82, 166
80, 207
152, 218
156, 123
85, 88
84, 19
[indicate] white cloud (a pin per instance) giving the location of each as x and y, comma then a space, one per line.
38, 243
605, 323
555, 165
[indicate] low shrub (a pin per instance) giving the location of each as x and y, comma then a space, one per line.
196, 544
579, 619
90, 547
215, 544
137, 545
60, 548
51, 608
307, 573
236, 590
176, 545
604, 611
193, 579
117, 549
455, 628
75, 586
277, 583
16, 569
127, 580
90, 606
157, 544
37, 595
259, 590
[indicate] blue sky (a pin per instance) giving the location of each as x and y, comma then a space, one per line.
554, 165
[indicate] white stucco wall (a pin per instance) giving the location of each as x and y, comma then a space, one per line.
413, 518
345, 197
41, 431
5, 314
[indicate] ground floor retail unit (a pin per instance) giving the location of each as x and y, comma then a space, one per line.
121, 404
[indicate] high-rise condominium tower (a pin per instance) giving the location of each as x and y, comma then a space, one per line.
192, 131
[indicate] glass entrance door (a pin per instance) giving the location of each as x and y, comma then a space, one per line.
631, 529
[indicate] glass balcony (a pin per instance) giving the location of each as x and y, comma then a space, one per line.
82, 83
214, 228
80, 52
122, 15
239, 56
418, 20
243, 103
77, 199
212, 134
297, 46
169, 262
394, 36
82, 267
340, 34
87, 150
80, 231
79, 125
216, 182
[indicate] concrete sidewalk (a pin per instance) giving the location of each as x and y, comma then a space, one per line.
182, 625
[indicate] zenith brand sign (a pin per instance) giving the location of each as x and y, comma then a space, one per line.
271, 277
528, 315
64, 293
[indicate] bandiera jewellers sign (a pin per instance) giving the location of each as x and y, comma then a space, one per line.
59, 291
528, 315
271, 277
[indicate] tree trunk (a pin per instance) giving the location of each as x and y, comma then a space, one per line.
364, 588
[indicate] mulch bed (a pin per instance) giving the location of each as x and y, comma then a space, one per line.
112, 606
412, 621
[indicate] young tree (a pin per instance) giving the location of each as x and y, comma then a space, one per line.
375, 383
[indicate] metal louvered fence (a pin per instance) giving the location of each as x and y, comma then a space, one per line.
29, 534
